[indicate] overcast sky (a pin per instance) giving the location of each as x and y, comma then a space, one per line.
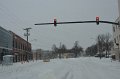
18, 14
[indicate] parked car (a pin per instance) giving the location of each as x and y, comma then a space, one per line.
98, 55
46, 60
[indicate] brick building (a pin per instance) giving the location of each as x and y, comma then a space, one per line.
21, 49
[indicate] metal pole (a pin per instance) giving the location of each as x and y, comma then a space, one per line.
108, 22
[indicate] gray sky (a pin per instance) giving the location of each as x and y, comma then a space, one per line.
18, 14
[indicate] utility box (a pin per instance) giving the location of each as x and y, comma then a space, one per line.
7, 60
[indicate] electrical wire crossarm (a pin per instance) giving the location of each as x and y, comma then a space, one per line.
108, 22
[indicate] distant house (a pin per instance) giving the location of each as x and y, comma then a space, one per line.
68, 55
37, 54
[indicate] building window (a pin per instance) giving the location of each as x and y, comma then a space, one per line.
25, 47
113, 29
117, 38
119, 27
114, 40
21, 46
16, 44
13, 44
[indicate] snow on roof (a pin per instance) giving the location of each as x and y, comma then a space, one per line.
8, 56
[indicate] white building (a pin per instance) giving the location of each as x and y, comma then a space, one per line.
116, 38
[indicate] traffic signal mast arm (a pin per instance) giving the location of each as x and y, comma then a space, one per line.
108, 22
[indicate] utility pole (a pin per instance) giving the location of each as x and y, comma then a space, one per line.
27, 34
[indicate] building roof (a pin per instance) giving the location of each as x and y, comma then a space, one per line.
2, 29
19, 37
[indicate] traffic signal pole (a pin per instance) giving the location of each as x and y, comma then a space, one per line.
74, 22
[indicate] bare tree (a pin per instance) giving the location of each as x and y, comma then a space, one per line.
92, 50
100, 44
63, 49
54, 51
107, 44
104, 43
77, 49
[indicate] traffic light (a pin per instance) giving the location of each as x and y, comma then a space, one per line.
55, 22
97, 20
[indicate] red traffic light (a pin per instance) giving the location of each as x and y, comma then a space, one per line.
97, 20
55, 22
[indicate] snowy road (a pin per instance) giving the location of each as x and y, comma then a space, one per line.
79, 68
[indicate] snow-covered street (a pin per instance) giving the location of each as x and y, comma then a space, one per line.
73, 68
